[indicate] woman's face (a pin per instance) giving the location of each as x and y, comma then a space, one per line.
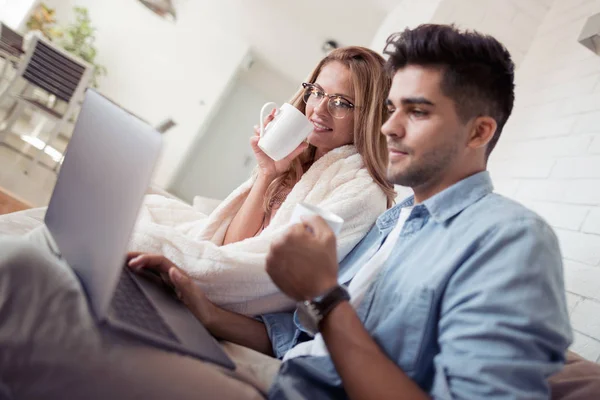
329, 132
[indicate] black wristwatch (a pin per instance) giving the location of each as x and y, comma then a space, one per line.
312, 312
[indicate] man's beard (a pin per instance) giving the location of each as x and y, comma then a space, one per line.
428, 168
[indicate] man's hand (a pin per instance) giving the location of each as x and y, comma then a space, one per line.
303, 262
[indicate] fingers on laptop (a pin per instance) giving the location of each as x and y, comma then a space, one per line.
180, 281
133, 254
153, 261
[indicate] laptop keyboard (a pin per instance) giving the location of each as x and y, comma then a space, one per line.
130, 305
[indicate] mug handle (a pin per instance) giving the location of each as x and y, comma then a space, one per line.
262, 116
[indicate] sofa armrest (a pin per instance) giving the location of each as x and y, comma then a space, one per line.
205, 205
152, 189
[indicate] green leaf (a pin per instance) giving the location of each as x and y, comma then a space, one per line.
79, 37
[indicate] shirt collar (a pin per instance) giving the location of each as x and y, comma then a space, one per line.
447, 203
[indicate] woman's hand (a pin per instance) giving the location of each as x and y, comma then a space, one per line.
187, 290
268, 168
221, 323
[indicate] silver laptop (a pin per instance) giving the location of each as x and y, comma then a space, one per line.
106, 171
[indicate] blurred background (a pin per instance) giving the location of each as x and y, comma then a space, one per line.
201, 70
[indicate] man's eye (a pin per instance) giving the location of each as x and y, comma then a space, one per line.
418, 113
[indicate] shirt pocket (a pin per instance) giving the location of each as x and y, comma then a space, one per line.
406, 329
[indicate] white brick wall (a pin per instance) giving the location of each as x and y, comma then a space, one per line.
572, 301
580, 247
408, 13
494, 16
569, 146
549, 155
592, 224
564, 216
580, 191
583, 279
588, 122
577, 167
583, 317
524, 168
586, 346
595, 148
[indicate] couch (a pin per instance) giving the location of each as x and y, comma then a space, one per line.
579, 379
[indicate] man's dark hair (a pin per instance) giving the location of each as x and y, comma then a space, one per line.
478, 72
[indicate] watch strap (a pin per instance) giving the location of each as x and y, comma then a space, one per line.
324, 304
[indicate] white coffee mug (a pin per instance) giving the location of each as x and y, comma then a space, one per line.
335, 222
285, 133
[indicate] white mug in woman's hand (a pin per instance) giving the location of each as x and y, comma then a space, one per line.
285, 133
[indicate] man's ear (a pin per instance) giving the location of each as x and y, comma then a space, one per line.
482, 131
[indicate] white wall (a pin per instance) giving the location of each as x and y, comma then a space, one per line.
158, 69
13, 12
549, 155
407, 14
512, 22
289, 34
224, 149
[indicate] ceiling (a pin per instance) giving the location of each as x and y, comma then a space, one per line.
288, 35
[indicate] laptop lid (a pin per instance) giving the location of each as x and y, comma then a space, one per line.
106, 170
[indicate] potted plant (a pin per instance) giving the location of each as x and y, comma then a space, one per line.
43, 20
79, 38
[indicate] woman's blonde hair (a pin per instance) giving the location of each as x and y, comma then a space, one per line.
371, 85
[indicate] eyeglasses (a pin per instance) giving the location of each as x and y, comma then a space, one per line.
337, 105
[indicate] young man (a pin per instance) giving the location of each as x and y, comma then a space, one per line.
459, 292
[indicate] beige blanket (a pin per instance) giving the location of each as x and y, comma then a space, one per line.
234, 276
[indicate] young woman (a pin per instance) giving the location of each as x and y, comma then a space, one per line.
341, 169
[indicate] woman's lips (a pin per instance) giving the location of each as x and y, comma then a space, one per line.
319, 127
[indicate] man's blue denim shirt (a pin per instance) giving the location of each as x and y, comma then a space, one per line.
470, 304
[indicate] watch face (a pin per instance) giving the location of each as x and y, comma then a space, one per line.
308, 318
